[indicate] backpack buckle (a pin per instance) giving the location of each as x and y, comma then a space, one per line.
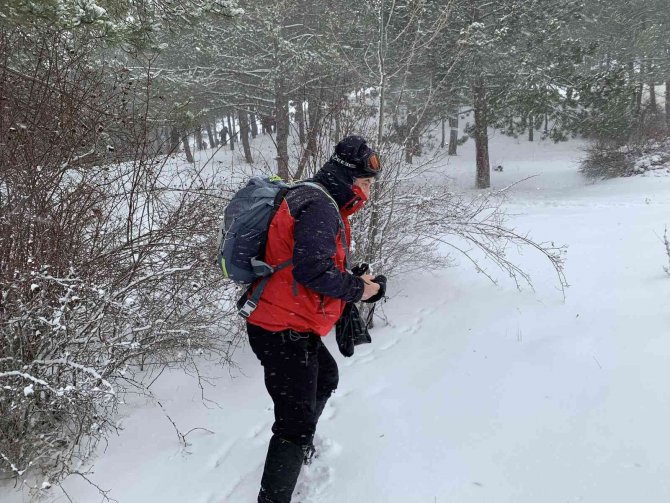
248, 308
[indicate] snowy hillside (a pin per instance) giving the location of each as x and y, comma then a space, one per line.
472, 392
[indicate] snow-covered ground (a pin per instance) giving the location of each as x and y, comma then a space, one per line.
472, 392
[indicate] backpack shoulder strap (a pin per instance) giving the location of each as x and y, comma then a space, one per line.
343, 235
249, 300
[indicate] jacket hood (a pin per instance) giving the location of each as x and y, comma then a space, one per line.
338, 181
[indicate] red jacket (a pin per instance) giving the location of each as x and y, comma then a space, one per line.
310, 294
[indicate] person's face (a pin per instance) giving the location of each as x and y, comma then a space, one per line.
365, 185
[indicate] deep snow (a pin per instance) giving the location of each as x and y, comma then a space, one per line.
473, 392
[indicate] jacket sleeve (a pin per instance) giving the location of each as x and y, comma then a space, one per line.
315, 233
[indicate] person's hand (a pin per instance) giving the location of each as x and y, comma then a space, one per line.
360, 269
380, 280
371, 288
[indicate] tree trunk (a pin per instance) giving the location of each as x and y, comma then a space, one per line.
212, 141
481, 136
546, 123
187, 148
667, 103
380, 117
652, 98
338, 126
231, 132
154, 142
382, 79
198, 139
174, 140
307, 117
225, 127
314, 112
342, 103
300, 119
638, 100
443, 141
416, 140
409, 138
282, 124
653, 106
531, 128
244, 135
408, 152
633, 102
453, 132
158, 142
235, 130
254, 125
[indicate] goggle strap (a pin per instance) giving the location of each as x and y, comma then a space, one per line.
372, 163
341, 161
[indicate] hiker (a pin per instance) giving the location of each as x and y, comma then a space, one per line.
302, 302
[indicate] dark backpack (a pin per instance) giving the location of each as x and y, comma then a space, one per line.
244, 235
245, 225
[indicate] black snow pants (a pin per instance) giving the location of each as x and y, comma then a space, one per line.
300, 376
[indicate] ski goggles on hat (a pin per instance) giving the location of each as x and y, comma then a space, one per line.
371, 165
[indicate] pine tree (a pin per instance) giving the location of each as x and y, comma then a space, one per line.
511, 63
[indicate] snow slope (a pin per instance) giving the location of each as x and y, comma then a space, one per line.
472, 392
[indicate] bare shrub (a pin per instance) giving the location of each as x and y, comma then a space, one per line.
410, 222
604, 161
105, 253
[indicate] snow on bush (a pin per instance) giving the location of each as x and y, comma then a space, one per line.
653, 157
106, 259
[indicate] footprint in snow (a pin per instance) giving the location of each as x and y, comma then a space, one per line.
260, 432
316, 478
328, 412
340, 394
358, 359
389, 344
221, 456
366, 359
313, 483
245, 484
